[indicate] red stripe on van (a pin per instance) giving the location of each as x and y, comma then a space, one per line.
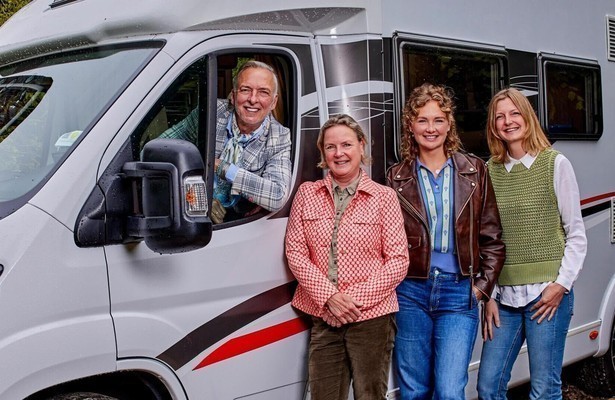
596, 198
254, 340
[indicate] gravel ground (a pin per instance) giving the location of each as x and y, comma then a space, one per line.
569, 392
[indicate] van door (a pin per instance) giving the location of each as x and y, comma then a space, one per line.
219, 317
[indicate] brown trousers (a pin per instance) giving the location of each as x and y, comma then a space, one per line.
358, 352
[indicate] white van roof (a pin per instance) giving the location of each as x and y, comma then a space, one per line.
45, 25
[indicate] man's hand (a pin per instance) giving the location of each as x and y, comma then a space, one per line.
217, 212
491, 318
547, 305
344, 308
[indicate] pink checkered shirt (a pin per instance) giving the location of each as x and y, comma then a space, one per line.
372, 247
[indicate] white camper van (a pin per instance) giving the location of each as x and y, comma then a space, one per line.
114, 282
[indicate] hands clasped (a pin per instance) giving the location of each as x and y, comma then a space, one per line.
341, 309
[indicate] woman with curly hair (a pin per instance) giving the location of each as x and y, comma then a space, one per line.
454, 240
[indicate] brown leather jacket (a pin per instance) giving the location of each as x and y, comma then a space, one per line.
478, 232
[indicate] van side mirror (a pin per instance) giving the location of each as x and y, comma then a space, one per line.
173, 196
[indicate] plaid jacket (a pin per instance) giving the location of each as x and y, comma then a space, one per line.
372, 247
265, 168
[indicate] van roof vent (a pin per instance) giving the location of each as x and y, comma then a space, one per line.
610, 37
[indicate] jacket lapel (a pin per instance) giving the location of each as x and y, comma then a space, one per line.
465, 182
407, 180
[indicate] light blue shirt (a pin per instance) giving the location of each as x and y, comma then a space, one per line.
439, 198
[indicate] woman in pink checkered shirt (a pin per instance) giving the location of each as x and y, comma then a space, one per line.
346, 245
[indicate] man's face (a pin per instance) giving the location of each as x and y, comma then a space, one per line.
254, 98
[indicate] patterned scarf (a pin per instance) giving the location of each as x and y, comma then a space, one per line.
232, 153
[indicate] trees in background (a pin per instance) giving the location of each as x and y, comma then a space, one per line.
10, 7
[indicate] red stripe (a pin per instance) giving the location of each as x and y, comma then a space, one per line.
596, 198
254, 340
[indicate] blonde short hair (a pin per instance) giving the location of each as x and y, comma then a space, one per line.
340, 119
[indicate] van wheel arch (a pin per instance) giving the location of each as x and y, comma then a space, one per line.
82, 396
112, 386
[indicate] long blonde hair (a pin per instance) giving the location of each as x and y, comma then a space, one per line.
420, 96
534, 139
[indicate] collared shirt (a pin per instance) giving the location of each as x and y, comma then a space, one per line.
264, 173
341, 199
231, 128
438, 196
568, 204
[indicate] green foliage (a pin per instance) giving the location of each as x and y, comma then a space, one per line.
10, 7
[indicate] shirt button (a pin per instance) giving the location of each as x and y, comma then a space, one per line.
471, 169
398, 176
399, 189
473, 184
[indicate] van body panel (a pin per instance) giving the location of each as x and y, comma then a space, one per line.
58, 331
217, 322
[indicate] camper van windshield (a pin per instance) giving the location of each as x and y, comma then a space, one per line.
47, 106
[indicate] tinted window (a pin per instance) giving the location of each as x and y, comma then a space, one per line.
571, 100
474, 76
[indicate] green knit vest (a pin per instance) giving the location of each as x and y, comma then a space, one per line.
531, 224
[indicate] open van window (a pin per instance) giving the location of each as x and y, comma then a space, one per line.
184, 110
47, 106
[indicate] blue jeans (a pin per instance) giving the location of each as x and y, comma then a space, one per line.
545, 346
437, 324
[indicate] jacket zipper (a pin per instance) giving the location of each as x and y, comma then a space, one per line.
471, 252
410, 208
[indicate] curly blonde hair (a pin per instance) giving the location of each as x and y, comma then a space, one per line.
534, 139
420, 96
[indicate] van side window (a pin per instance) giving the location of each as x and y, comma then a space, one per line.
265, 165
571, 99
474, 75
177, 107
181, 113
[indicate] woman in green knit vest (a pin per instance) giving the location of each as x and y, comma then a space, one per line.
538, 199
